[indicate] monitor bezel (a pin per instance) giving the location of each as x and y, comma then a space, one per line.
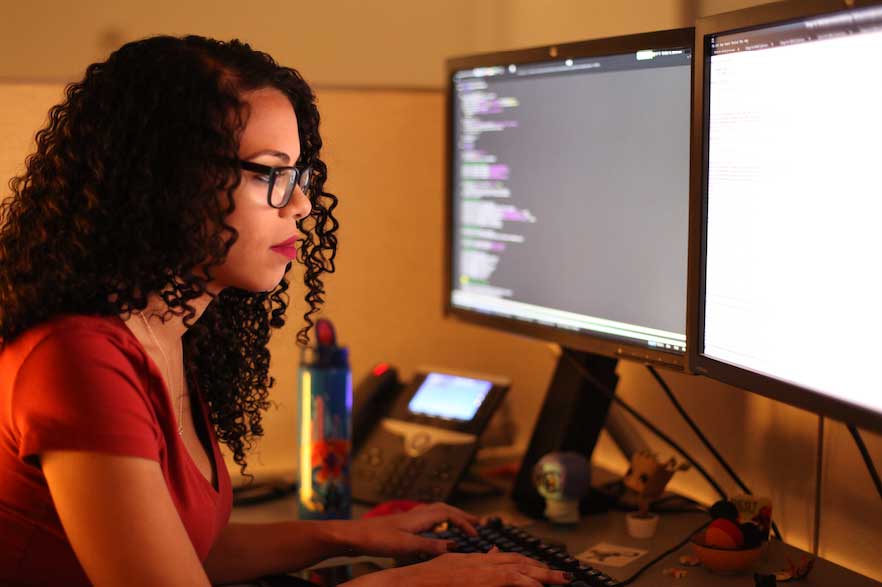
699, 363
583, 341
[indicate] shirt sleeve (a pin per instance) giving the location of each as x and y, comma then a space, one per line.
79, 390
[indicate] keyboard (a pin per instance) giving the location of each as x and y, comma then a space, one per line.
512, 539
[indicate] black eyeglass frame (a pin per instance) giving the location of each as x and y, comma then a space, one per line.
271, 172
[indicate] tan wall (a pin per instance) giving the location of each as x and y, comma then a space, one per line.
333, 42
706, 7
386, 162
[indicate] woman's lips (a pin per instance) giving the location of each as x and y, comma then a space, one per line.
288, 251
287, 247
288, 242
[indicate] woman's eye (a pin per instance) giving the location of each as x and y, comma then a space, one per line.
262, 178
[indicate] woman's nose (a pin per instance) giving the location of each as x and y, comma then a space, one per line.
299, 205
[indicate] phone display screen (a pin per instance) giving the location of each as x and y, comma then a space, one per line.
449, 396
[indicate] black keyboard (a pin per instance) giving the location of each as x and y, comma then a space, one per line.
512, 539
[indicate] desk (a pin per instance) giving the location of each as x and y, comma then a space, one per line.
610, 527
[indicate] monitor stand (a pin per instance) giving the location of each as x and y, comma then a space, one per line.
572, 416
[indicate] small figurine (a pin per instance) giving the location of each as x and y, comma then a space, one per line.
562, 479
647, 477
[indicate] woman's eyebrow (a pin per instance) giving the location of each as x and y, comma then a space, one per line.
272, 152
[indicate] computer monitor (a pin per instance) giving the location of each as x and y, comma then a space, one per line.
567, 217
569, 191
786, 276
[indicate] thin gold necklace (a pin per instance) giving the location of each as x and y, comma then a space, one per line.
168, 374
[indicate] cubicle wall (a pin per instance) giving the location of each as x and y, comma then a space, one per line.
385, 155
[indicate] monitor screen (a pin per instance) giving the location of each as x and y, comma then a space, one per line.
449, 396
570, 192
792, 204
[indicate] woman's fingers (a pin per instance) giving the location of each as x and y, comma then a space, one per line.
470, 518
512, 578
528, 576
464, 520
496, 569
511, 558
497, 559
543, 575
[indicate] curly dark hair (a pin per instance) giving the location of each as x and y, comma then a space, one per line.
127, 195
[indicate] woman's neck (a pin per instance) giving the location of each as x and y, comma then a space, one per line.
170, 332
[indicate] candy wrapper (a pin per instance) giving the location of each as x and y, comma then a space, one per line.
757, 510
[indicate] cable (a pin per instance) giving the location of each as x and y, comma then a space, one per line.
612, 396
867, 459
704, 439
659, 505
614, 490
680, 545
695, 429
672, 504
255, 493
819, 472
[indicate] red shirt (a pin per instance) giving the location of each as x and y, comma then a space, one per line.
86, 383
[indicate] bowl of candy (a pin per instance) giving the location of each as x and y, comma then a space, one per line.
727, 546
725, 560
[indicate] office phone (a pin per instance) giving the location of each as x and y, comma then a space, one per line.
416, 440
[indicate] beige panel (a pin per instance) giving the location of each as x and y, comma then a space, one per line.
541, 22
707, 7
23, 110
334, 42
340, 42
384, 149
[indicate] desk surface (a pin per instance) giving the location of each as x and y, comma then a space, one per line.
610, 527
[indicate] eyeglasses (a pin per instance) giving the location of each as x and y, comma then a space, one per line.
280, 181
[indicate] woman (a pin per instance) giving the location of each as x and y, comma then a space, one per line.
143, 256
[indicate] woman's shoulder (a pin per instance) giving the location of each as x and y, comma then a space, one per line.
79, 382
78, 335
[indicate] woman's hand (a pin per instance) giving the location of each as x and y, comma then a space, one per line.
397, 535
494, 569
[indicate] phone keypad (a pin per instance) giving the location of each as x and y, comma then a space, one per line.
382, 474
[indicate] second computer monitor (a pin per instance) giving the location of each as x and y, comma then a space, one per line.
788, 205
569, 192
